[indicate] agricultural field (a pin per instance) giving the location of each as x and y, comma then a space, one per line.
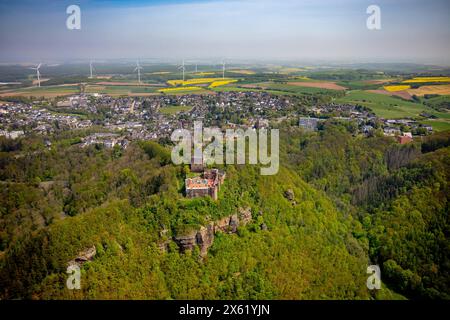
46, 92
221, 83
437, 125
443, 89
386, 106
242, 71
427, 80
184, 90
401, 94
288, 88
321, 85
195, 81
395, 88
121, 90
128, 83
205, 73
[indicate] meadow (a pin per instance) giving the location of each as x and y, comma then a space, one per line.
293, 88
47, 91
174, 109
120, 90
438, 125
385, 106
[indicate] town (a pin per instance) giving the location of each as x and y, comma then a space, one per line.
117, 121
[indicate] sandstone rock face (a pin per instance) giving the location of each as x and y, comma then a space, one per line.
289, 194
84, 256
204, 237
186, 242
233, 224
222, 225
245, 215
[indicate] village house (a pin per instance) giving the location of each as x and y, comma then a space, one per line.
405, 138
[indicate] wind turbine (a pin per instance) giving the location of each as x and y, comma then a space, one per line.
138, 69
38, 74
183, 68
91, 69
196, 68
223, 69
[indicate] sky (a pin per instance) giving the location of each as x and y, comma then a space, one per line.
273, 30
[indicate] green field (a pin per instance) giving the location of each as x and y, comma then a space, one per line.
296, 89
276, 88
386, 106
45, 91
438, 125
174, 109
120, 90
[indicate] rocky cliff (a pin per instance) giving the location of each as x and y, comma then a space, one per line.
204, 237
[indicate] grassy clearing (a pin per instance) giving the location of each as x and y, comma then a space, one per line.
438, 125
386, 106
174, 109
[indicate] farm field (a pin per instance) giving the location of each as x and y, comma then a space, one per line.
385, 106
47, 92
438, 125
249, 89
127, 83
395, 88
281, 88
378, 81
443, 89
196, 81
120, 90
185, 90
321, 85
221, 83
401, 94
427, 79
242, 71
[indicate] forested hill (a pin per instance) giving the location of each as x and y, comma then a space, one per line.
398, 192
314, 227
307, 250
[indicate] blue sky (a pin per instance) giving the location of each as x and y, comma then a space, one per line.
298, 30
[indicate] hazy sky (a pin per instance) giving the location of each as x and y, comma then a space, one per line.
412, 30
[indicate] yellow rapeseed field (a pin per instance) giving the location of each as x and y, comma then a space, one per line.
168, 90
205, 73
242, 71
396, 88
195, 81
427, 79
220, 83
